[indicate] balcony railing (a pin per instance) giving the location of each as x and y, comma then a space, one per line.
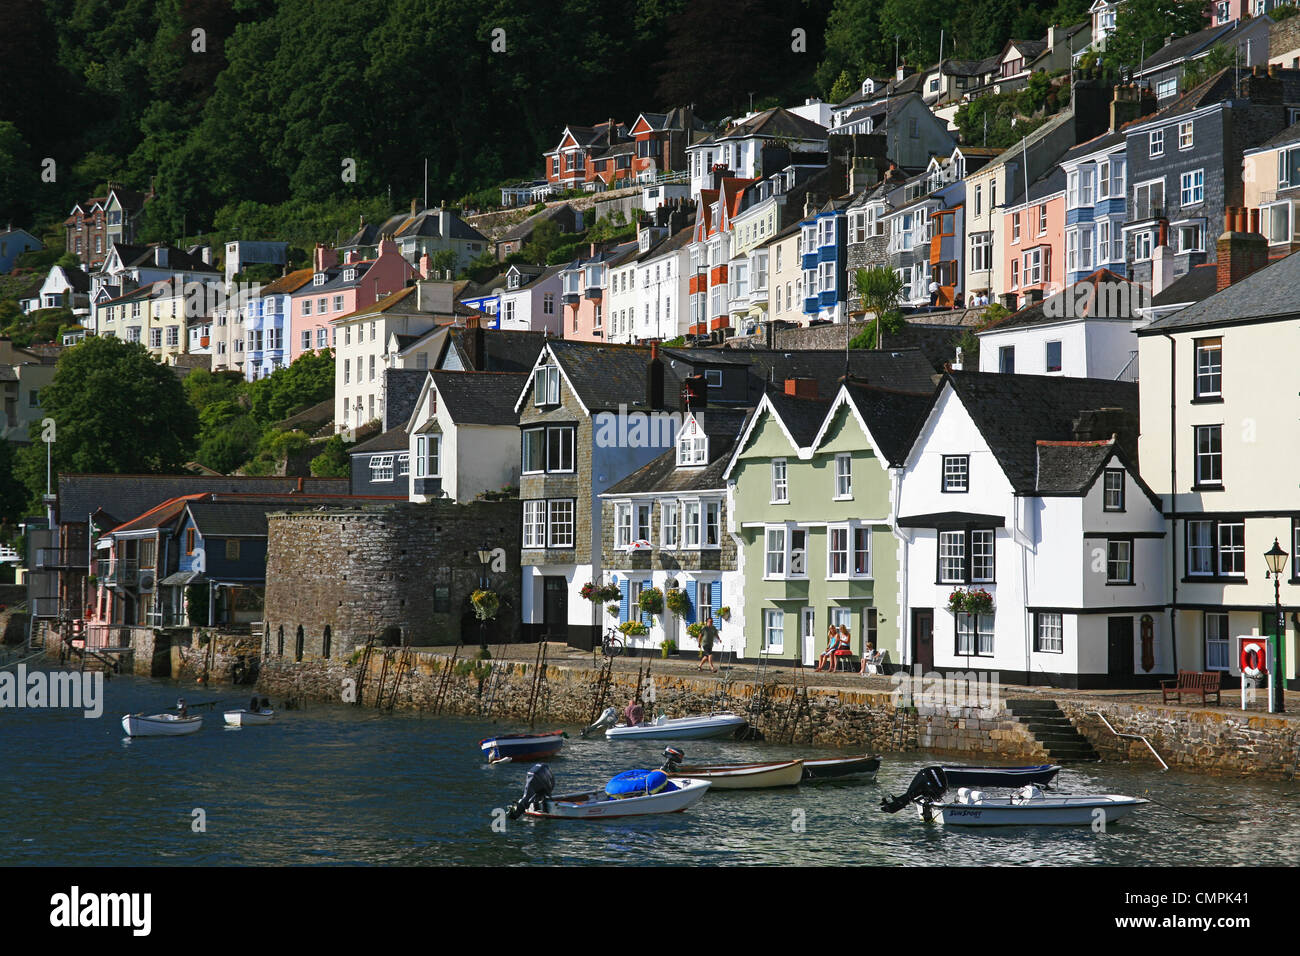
124, 574
62, 558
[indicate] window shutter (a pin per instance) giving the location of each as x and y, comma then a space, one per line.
645, 615
716, 591
690, 597
622, 603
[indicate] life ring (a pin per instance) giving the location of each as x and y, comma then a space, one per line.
1253, 666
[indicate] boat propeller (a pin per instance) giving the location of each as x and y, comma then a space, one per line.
537, 787
673, 758
929, 784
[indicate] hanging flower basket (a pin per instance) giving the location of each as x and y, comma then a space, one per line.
485, 603
633, 629
724, 612
695, 630
978, 601
600, 592
651, 601
957, 601
611, 610
677, 601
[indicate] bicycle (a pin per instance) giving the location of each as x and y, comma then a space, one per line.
611, 644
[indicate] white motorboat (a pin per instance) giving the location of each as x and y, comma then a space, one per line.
1030, 806
249, 718
630, 794
680, 728
1026, 805
160, 725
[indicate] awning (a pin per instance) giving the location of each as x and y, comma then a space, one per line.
953, 520
182, 578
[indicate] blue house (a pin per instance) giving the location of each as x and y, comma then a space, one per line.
824, 252
1096, 207
13, 243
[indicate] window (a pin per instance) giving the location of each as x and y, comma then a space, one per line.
952, 557
155, 338
1191, 238
306, 339
381, 467
534, 524
347, 371
1015, 227
776, 541
428, 456
1217, 643
956, 473
861, 552
1185, 135
1232, 548
1157, 143
981, 252
1149, 201
232, 549
1216, 548
712, 524
837, 552
843, 476
774, 631
1209, 455
1192, 192
692, 444
1209, 368
622, 525
338, 303
642, 525
780, 487
1141, 246
561, 523
1119, 562
322, 338
1200, 547
1113, 490
546, 385
975, 635
1007, 359
1037, 267
559, 449
1048, 634
1053, 356
668, 525
981, 556
1167, 88
691, 524
1042, 214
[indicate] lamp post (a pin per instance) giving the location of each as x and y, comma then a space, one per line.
485, 558
1276, 559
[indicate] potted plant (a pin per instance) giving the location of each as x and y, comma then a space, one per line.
651, 601
486, 604
677, 601
978, 601
668, 648
957, 601
611, 610
633, 629
724, 612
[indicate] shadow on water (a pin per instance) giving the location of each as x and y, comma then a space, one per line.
334, 785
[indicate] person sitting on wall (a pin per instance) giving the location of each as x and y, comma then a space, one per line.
827, 660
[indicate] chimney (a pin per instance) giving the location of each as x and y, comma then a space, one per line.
426, 264
324, 257
298, 490
1262, 88
801, 387
160, 255
1239, 253
654, 379
1103, 424
415, 206
444, 222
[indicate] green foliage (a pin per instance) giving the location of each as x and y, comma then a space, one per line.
13, 494
1196, 72
333, 461
308, 381
40, 325
998, 120
1141, 27
1284, 12
196, 604
443, 261
614, 228
545, 239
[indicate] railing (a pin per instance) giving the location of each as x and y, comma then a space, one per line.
1129, 373
124, 573
62, 558
1132, 737
45, 607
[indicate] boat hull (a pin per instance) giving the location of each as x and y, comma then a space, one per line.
520, 748
681, 728
862, 767
1000, 776
160, 725
597, 805
1047, 812
758, 776
249, 718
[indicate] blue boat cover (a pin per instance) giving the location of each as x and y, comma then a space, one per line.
637, 783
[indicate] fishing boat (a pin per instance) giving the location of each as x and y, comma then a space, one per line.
634, 793
1025, 806
863, 766
160, 725
735, 776
249, 718
680, 728
505, 748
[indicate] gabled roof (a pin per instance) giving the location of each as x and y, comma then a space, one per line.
396, 438
776, 123
1070, 467
1272, 292
723, 427
891, 417
479, 398
1181, 48
1197, 283
119, 496
604, 376
288, 283
505, 350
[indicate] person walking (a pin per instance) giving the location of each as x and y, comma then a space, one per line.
708, 635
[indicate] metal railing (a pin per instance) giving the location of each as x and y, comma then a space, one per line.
62, 558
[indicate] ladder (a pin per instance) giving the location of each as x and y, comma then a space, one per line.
539, 680
444, 680
401, 666
361, 671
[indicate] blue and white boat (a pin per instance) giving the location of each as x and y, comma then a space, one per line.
522, 748
680, 728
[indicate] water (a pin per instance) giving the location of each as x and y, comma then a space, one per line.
340, 785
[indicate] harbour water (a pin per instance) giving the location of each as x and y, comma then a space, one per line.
343, 785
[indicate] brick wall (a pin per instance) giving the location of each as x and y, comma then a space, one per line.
359, 571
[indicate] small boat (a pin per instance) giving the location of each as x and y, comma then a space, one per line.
504, 748
160, 725
249, 718
736, 776
680, 728
1027, 805
1042, 773
835, 768
635, 793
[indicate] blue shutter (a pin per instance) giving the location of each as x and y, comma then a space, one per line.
646, 585
622, 602
690, 597
716, 591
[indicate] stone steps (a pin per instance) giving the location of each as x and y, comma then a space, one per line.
1047, 724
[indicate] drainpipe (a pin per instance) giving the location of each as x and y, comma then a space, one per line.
1024, 588
904, 608
1173, 500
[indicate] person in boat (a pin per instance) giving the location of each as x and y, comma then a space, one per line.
252, 705
707, 637
634, 713
181, 709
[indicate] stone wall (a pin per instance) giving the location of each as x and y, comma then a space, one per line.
358, 571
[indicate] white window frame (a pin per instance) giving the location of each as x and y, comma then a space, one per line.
780, 482
844, 477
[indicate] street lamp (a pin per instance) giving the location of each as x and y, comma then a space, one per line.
485, 558
1276, 559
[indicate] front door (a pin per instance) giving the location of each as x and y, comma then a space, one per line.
808, 631
923, 640
1119, 646
555, 608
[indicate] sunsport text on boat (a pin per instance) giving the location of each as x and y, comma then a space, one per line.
680, 728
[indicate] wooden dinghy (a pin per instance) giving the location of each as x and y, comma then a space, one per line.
735, 776
862, 767
249, 718
160, 725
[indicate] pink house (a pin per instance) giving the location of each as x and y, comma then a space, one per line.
582, 292
339, 288
1033, 243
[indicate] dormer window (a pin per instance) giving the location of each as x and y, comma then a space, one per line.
546, 385
512, 282
318, 279
692, 444
349, 275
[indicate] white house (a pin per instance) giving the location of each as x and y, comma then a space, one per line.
1024, 487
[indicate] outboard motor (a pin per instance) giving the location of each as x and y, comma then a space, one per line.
537, 787
607, 719
673, 758
929, 784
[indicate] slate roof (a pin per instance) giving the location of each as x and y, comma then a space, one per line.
1107, 290
723, 426
802, 417
893, 417
1221, 87
1015, 412
480, 398
776, 123
123, 496
1189, 45
1070, 468
288, 283
507, 350
605, 376
401, 391
903, 369
178, 260
1285, 138
1270, 292
1199, 282
395, 439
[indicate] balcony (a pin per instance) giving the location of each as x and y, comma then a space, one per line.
61, 559
124, 574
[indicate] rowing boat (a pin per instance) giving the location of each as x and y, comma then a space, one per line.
680, 728
160, 725
836, 768
742, 776
504, 748
249, 718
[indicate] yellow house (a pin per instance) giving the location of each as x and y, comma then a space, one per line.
1271, 183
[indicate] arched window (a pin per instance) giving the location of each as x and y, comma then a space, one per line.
297, 650
279, 641
325, 643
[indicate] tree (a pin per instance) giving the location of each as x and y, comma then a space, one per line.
333, 461
13, 494
308, 381
881, 289
115, 410
545, 238
1142, 26
1196, 72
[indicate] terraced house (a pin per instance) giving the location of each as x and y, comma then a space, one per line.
810, 505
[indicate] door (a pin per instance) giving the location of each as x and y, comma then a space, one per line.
555, 608
808, 631
923, 640
1119, 646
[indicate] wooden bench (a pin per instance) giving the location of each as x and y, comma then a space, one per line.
1204, 683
